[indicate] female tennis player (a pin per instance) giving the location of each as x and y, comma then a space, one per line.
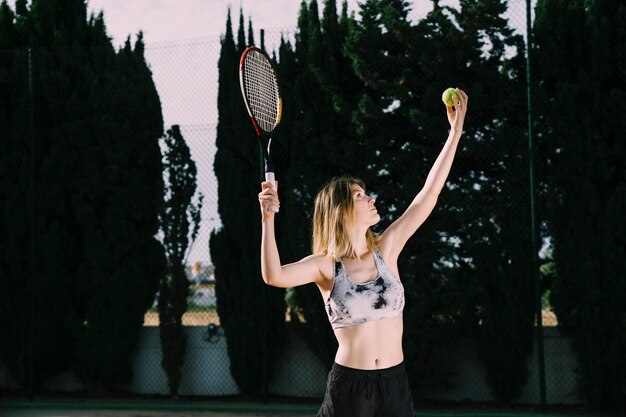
357, 274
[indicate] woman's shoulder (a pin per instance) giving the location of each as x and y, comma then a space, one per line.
321, 258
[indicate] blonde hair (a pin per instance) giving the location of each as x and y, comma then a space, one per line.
333, 212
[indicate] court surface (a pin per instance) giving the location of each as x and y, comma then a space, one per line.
134, 413
176, 409
22, 409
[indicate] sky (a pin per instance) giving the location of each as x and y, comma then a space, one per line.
168, 20
182, 39
171, 20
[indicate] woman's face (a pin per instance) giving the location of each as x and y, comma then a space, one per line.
365, 212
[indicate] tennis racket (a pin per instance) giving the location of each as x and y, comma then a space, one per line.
259, 88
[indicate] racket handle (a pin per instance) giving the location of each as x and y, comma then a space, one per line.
269, 177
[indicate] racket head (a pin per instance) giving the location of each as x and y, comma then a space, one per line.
259, 89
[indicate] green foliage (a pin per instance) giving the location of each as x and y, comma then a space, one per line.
498, 234
251, 313
94, 123
471, 272
371, 108
402, 123
363, 99
466, 264
179, 222
582, 107
320, 142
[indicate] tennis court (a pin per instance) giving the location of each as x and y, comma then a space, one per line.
162, 409
148, 410
119, 413
135, 413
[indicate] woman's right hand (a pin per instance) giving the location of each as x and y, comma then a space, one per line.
268, 197
456, 114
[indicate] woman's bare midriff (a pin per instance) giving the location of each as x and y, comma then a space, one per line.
371, 345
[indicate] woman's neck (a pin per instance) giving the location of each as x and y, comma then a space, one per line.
358, 240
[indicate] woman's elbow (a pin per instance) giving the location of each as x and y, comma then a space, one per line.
269, 279
266, 277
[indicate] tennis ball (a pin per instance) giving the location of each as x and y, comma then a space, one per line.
449, 97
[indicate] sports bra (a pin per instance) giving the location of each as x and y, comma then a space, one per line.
351, 303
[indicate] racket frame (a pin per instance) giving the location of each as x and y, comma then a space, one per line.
264, 135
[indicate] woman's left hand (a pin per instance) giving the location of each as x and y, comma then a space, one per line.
456, 114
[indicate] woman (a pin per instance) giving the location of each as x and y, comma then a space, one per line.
357, 274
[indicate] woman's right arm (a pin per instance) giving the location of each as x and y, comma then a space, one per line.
302, 272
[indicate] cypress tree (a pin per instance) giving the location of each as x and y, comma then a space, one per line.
579, 131
235, 248
496, 230
30, 348
179, 222
122, 261
402, 124
404, 69
321, 144
98, 182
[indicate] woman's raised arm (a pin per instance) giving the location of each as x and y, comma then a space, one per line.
397, 234
302, 272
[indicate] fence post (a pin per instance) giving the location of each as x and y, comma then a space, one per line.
30, 366
534, 246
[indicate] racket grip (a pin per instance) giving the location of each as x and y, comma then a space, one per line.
269, 177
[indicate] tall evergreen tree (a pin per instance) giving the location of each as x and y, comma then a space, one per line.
321, 144
30, 350
235, 248
404, 68
402, 123
579, 131
179, 221
122, 261
496, 231
98, 181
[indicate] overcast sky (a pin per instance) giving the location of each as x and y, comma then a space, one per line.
167, 20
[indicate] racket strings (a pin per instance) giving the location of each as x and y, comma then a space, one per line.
261, 89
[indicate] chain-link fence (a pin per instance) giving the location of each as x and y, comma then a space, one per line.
186, 77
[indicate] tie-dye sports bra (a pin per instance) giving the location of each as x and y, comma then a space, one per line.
352, 303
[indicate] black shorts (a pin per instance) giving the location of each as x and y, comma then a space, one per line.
360, 393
